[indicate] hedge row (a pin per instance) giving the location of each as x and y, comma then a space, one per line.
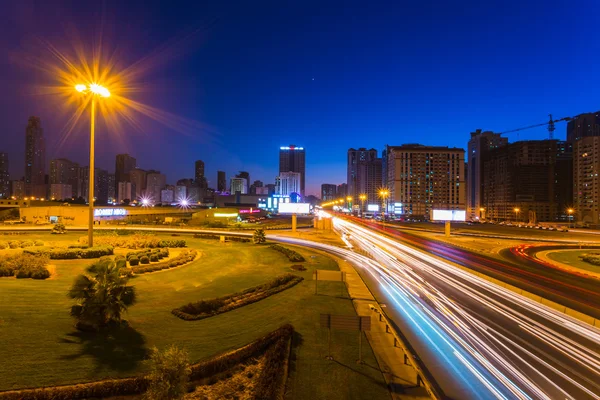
207, 308
136, 241
146, 256
183, 258
271, 381
15, 244
292, 255
132, 386
61, 253
591, 258
24, 266
217, 237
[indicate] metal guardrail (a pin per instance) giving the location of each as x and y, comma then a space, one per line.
411, 358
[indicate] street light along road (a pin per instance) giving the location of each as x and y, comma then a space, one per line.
92, 90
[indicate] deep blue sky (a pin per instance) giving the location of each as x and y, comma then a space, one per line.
325, 75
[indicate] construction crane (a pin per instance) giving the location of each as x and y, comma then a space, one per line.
550, 124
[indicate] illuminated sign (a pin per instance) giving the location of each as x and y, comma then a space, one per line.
225, 215
109, 212
291, 148
294, 208
448, 215
250, 211
373, 207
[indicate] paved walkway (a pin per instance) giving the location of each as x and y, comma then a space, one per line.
401, 378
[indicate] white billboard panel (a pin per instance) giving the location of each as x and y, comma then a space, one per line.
448, 215
294, 208
373, 207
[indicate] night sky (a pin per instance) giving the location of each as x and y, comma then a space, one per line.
243, 78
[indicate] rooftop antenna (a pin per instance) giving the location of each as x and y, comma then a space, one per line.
551, 128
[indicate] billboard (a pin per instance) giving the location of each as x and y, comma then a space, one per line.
109, 212
294, 208
448, 215
373, 207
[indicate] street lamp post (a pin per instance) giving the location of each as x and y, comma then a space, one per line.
517, 210
570, 211
481, 214
384, 193
93, 90
349, 199
362, 198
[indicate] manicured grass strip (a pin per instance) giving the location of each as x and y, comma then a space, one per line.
208, 308
292, 255
270, 380
185, 257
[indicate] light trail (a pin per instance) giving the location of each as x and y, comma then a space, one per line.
478, 339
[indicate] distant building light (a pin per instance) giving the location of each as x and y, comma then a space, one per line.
225, 215
291, 148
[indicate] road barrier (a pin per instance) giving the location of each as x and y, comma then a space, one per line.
411, 358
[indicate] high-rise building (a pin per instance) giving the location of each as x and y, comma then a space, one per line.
221, 181
17, 189
479, 145
155, 182
4, 177
421, 178
292, 159
342, 190
271, 187
364, 175
328, 192
238, 185
138, 180
180, 193
123, 165
63, 171
35, 159
584, 125
110, 184
167, 196
586, 183
199, 176
288, 183
124, 192
100, 184
519, 182
563, 178
244, 175
256, 185
61, 191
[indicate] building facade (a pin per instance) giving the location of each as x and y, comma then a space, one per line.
293, 159
563, 178
155, 182
124, 192
221, 181
35, 159
124, 164
60, 191
17, 189
63, 171
199, 176
364, 174
138, 180
238, 185
422, 178
586, 184
288, 183
584, 125
328, 192
519, 182
479, 145
4, 177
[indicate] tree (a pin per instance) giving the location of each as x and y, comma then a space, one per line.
169, 374
102, 294
59, 228
259, 236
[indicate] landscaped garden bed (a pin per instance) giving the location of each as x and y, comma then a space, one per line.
184, 257
208, 308
273, 348
292, 255
71, 253
134, 241
24, 266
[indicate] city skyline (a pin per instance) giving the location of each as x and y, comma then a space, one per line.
493, 83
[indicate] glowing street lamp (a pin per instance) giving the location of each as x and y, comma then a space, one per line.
481, 213
384, 193
517, 210
362, 198
349, 199
570, 211
92, 90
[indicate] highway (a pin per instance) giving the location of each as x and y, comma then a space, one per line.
572, 290
478, 340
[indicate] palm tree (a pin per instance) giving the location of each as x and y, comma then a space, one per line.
102, 294
259, 236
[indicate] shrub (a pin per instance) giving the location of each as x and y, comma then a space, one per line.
25, 266
154, 257
292, 255
14, 244
61, 253
27, 243
259, 236
169, 374
133, 260
144, 260
298, 267
591, 258
38, 243
58, 228
3, 245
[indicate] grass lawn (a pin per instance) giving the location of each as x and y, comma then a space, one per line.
40, 347
571, 258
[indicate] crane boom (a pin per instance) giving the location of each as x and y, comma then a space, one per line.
549, 124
